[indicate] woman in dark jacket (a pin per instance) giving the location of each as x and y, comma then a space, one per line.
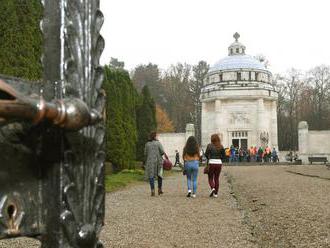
215, 153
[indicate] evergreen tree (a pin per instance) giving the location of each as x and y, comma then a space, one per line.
121, 118
20, 38
146, 121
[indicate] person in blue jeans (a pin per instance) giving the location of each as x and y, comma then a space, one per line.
153, 152
191, 157
232, 154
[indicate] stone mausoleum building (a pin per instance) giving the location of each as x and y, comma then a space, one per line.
239, 101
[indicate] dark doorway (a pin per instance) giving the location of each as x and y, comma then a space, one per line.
236, 142
244, 143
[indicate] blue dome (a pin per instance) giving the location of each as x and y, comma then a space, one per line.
238, 62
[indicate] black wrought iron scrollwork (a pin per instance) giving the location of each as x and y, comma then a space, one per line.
53, 139
83, 46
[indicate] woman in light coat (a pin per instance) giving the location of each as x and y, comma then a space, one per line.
153, 152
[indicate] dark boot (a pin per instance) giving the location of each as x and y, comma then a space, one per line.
160, 191
152, 192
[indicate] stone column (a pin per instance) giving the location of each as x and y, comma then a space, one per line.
217, 116
260, 120
190, 130
274, 137
303, 140
219, 122
204, 127
303, 137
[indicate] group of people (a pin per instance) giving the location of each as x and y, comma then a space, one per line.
215, 153
252, 154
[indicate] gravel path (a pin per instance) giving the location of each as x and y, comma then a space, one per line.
285, 209
135, 219
276, 206
172, 220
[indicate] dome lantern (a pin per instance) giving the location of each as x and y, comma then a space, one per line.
236, 48
237, 59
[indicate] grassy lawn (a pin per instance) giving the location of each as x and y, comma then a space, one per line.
126, 177
122, 179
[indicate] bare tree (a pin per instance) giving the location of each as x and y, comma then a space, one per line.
290, 87
199, 74
147, 75
302, 97
262, 58
319, 80
179, 104
115, 63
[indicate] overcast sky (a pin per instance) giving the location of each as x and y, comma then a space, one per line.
290, 33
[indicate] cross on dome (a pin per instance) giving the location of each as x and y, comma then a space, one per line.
236, 48
236, 36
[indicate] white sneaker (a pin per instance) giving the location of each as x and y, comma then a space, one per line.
193, 195
215, 195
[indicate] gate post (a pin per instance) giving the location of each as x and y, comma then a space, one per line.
51, 173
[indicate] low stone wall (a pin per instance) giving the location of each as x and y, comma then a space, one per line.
319, 141
176, 141
172, 142
312, 143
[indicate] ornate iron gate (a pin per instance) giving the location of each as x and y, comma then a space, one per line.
51, 135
